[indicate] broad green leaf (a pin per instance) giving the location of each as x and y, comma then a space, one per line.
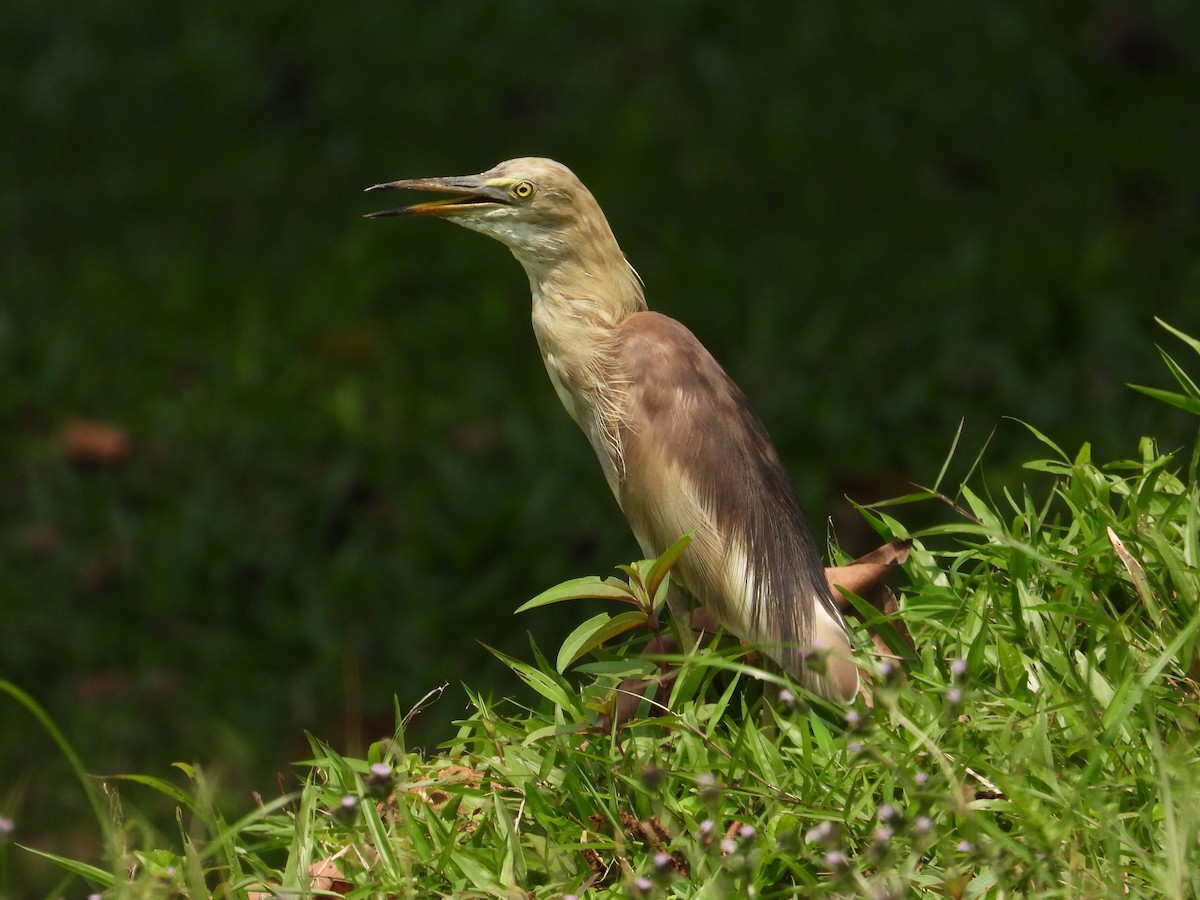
627, 667
477, 873
554, 690
662, 566
1051, 466
594, 632
981, 510
822, 736
591, 587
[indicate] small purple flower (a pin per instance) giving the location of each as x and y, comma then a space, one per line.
881, 845
728, 846
709, 789
921, 778
706, 827
836, 859
644, 884
854, 747
662, 860
954, 696
887, 813
7, 827
853, 719
379, 780
746, 832
821, 833
965, 847
922, 825
885, 670
813, 659
347, 809
787, 698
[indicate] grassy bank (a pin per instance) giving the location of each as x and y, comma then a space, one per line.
1042, 739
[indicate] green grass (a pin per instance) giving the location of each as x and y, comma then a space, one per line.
348, 464
1042, 740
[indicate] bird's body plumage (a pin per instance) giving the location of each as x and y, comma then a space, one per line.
756, 568
679, 443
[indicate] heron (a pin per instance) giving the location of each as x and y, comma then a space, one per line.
679, 443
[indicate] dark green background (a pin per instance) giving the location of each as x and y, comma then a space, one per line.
348, 464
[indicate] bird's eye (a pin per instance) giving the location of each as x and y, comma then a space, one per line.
522, 190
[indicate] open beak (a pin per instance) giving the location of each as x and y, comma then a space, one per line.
471, 193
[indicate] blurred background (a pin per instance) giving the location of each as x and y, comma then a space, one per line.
266, 466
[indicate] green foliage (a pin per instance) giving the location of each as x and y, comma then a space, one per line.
881, 220
1042, 741
1189, 400
646, 589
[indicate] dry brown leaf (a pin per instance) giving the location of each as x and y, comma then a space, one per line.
864, 577
1136, 573
93, 443
867, 571
326, 876
430, 790
323, 875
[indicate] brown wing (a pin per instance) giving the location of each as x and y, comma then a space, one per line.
695, 453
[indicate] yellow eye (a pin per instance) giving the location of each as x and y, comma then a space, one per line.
522, 190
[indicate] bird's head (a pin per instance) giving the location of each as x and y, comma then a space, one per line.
537, 207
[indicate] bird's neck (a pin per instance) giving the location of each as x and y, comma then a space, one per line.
577, 306
601, 292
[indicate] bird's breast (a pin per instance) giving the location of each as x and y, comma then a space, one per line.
576, 349
565, 385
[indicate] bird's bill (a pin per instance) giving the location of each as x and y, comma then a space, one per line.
471, 194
